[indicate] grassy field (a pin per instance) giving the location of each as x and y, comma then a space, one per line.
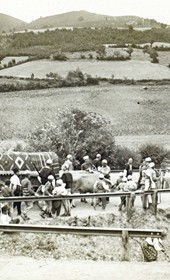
130, 109
136, 70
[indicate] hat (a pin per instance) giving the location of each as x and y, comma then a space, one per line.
152, 164
104, 161
49, 161
101, 176
121, 174
59, 182
129, 177
69, 156
50, 177
86, 157
148, 159
98, 155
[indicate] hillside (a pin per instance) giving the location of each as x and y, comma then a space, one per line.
75, 19
8, 23
87, 19
123, 106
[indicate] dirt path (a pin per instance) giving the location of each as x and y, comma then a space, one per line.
16, 268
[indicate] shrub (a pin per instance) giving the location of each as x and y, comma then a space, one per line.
82, 56
59, 56
74, 131
156, 152
113, 58
155, 60
91, 80
122, 156
90, 56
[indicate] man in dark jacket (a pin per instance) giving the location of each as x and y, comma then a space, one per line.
45, 172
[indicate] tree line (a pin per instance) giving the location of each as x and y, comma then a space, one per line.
84, 39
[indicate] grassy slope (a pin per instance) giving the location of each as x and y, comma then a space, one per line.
131, 110
130, 69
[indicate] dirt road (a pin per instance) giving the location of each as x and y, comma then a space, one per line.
16, 268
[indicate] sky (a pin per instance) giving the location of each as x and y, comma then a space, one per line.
29, 10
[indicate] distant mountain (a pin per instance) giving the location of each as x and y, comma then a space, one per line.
8, 23
86, 19
75, 19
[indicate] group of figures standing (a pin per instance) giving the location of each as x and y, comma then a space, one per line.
62, 184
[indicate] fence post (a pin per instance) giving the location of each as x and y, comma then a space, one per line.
129, 205
145, 200
125, 242
155, 201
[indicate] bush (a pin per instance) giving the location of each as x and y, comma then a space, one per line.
82, 56
77, 132
156, 152
122, 156
90, 56
113, 58
59, 56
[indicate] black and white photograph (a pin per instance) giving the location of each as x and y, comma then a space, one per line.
84, 139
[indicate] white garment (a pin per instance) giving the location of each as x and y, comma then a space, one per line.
14, 182
5, 219
59, 190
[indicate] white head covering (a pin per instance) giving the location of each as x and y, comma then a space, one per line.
129, 177
86, 157
49, 161
152, 164
69, 156
148, 159
60, 182
104, 161
101, 176
50, 177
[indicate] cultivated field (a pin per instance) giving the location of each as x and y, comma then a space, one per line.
133, 69
131, 109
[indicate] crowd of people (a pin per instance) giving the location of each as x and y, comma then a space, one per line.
51, 184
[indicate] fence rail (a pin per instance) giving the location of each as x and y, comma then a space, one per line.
129, 195
80, 230
124, 233
79, 196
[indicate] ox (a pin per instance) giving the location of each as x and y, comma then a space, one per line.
84, 181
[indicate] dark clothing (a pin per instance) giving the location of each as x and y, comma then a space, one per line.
68, 180
87, 166
18, 205
44, 173
97, 163
129, 169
